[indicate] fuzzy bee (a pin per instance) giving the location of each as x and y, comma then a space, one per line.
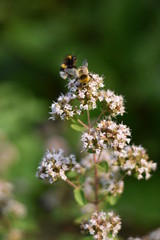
69, 63
81, 74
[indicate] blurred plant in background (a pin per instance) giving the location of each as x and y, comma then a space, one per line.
10, 210
120, 39
16, 135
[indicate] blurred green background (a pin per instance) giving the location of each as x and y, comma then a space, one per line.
120, 39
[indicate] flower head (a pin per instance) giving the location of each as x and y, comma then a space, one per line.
102, 225
80, 97
114, 103
108, 134
136, 161
62, 108
55, 165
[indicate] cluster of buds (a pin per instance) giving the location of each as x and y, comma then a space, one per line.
107, 134
137, 162
102, 226
55, 165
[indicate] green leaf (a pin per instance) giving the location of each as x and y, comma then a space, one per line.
77, 128
74, 120
101, 169
104, 166
112, 200
72, 174
79, 197
82, 179
91, 151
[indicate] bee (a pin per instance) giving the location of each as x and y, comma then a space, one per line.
68, 63
81, 74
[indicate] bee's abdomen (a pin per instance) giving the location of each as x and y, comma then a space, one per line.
84, 78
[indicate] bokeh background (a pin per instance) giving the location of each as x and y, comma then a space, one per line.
120, 39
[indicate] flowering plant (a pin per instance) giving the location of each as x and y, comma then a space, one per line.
107, 154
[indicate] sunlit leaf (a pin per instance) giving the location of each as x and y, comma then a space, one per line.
77, 128
112, 200
79, 196
72, 174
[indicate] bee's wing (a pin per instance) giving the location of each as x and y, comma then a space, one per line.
85, 63
71, 71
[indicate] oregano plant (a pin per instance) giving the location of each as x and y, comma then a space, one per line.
107, 155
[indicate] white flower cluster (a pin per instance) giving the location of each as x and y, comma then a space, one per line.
102, 226
114, 103
8, 205
62, 108
110, 181
86, 93
136, 161
55, 165
83, 95
93, 140
108, 134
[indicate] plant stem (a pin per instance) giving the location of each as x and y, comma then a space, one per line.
101, 199
95, 169
96, 181
71, 183
89, 121
98, 117
83, 124
99, 157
